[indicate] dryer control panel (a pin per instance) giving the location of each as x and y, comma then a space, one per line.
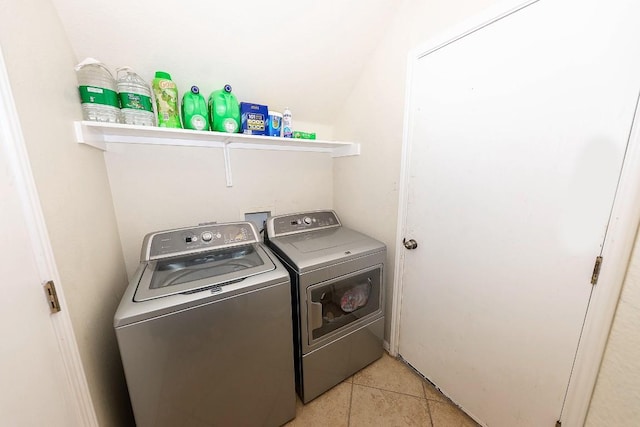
283, 225
182, 241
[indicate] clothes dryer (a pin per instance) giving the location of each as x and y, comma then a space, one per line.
337, 282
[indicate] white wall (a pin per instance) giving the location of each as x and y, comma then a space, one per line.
616, 399
74, 192
157, 188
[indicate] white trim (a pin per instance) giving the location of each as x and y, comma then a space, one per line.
616, 253
12, 137
396, 304
489, 16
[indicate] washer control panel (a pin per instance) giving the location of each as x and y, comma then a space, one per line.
164, 244
301, 222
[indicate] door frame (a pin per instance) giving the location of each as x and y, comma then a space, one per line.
616, 251
12, 140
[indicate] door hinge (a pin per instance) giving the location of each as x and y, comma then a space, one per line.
52, 296
596, 270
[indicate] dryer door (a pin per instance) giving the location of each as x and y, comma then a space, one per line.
340, 305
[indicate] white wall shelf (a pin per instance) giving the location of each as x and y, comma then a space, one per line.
101, 135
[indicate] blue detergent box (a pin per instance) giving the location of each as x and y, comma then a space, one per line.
254, 118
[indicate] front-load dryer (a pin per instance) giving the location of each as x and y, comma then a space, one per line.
204, 330
337, 295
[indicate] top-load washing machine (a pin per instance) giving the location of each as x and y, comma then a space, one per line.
204, 330
337, 295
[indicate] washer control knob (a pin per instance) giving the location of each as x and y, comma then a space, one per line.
307, 220
207, 236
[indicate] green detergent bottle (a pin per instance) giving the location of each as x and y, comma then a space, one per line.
166, 93
224, 111
194, 110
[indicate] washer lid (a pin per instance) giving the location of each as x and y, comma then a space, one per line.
325, 240
200, 271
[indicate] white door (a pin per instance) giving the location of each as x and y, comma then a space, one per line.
517, 133
34, 389
34, 385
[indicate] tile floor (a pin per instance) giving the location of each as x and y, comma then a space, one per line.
385, 393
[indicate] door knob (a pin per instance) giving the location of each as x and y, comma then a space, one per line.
409, 244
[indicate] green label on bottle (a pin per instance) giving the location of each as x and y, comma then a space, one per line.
135, 101
98, 95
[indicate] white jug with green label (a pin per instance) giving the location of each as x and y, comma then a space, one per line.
135, 99
97, 92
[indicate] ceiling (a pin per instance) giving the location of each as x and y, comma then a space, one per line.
302, 54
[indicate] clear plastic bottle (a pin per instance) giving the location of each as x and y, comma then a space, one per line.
287, 130
135, 99
97, 92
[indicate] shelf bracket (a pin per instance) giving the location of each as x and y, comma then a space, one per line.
227, 164
84, 136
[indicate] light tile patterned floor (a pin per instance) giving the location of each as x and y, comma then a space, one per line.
385, 393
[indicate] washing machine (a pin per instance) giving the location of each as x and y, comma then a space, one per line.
204, 330
337, 296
